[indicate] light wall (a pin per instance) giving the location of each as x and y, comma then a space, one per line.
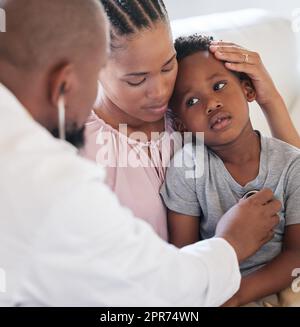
186, 8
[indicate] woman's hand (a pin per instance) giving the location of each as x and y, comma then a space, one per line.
242, 60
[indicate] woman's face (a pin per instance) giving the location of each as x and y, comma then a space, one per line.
140, 75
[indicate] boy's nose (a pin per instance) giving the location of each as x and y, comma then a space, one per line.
213, 106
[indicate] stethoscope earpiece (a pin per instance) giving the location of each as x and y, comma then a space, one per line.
62, 89
62, 114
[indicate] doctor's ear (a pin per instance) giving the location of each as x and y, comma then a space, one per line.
62, 81
248, 90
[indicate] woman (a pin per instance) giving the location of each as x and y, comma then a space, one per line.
136, 86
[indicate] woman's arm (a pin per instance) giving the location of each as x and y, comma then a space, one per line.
275, 276
244, 61
280, 122
183, 229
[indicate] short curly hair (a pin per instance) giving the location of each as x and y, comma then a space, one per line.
188, 45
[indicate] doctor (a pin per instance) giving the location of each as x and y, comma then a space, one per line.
64, 238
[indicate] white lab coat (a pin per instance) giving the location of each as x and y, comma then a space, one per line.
66, 241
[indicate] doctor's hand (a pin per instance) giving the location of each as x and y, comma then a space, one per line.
250, 224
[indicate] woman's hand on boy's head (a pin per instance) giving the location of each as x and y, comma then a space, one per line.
241, 60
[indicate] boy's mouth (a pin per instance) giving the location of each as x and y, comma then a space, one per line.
220, 121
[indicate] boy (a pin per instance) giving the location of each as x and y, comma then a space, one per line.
211, 99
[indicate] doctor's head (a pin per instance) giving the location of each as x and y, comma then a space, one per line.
52, 52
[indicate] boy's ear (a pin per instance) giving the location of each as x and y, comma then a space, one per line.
249, 90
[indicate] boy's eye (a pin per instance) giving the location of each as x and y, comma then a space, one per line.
191, 102
219, 86
136, 83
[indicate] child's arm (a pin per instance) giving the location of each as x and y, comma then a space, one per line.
275, 276
248, 62
183, 229
280, 121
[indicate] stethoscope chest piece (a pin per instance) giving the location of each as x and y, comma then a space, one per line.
250, 193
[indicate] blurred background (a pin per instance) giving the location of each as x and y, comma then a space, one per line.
187, 8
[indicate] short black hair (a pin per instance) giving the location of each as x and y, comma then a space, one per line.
38, 33
128, 17
188, 45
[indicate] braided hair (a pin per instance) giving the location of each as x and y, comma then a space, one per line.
130, 16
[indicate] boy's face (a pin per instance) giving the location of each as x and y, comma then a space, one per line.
209, 98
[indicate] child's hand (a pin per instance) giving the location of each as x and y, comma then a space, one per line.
242, 60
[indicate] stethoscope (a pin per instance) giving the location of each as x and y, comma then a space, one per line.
250, 193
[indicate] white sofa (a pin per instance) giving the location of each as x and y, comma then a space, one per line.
260, 31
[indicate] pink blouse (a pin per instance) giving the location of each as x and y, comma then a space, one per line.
132, 174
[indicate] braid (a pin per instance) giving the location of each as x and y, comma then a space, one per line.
117, 18
161, 8
130, 16
134, 12
150, 10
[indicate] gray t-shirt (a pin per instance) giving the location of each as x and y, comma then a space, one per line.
204, 188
